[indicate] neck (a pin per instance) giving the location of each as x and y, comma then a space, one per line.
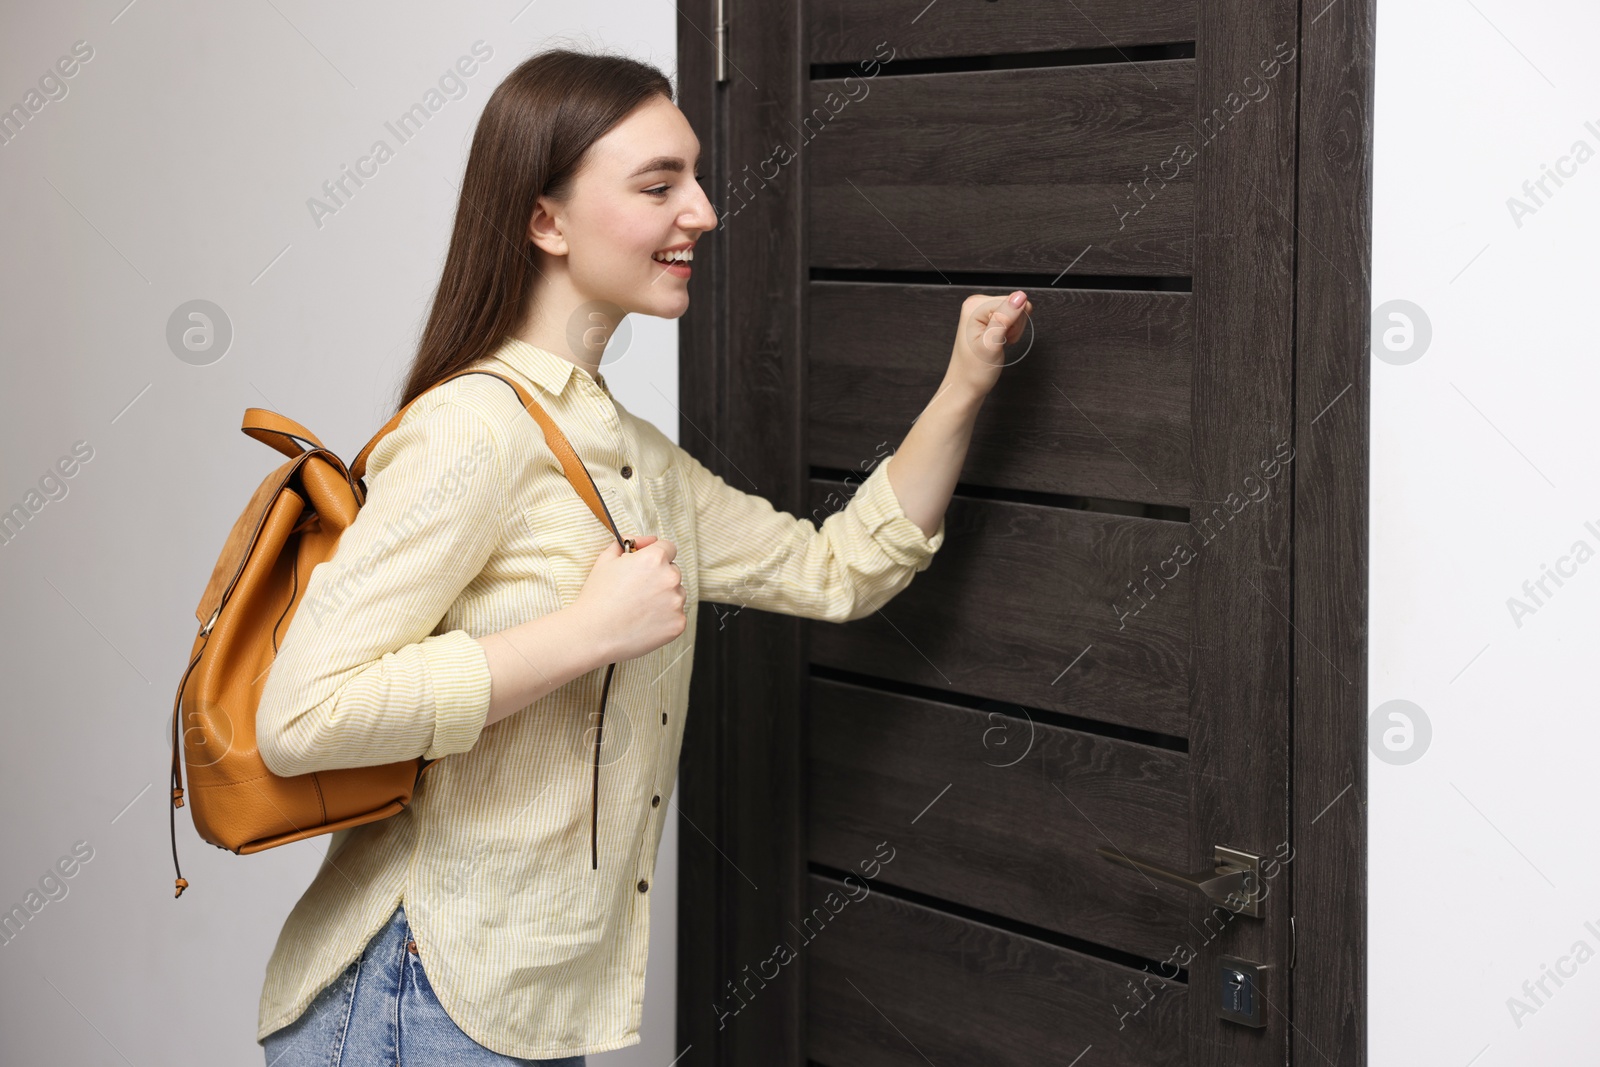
567, 323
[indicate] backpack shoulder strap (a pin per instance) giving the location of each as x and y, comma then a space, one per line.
576, 472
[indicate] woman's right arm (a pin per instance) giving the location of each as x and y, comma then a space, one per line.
360, 677
529, 661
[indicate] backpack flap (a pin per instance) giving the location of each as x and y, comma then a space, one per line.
246, 528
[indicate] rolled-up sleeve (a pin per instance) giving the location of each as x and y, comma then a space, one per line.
753, 555
362, 676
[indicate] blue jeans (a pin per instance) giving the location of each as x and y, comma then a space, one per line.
381, 1012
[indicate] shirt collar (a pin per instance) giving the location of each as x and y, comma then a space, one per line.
546, 368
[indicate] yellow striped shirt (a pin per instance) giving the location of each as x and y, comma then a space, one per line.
470, 527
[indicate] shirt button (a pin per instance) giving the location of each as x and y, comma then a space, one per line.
643, 885
663, 718
411, 947
627, 471
655, 801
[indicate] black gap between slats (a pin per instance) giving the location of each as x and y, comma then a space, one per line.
1006, 280
1010, 926
1070, 57
1100, 505
1002, 707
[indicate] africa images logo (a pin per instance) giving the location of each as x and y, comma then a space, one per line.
1537, 592
451, 85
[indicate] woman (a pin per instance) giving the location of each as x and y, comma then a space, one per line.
502, 918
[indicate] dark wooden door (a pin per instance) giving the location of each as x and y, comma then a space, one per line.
938, 834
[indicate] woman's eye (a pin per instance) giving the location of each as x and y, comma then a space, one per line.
661, 190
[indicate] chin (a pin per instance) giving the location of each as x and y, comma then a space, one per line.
670, 309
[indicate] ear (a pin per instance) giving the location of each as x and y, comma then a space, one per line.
544, 228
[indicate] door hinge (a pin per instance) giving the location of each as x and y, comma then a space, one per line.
721, 41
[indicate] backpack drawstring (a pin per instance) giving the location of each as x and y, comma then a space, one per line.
594, 822
605, 689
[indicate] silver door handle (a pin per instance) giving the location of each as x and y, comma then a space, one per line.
1234, 882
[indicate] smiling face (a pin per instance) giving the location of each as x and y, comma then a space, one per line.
636, 196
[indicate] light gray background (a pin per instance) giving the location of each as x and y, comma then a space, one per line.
1482, 869
177, 167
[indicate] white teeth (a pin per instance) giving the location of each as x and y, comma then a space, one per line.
684, 256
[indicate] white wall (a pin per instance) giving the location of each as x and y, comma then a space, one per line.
177, 167
1484, 870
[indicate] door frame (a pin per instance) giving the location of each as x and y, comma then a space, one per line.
1333, 332
741, 780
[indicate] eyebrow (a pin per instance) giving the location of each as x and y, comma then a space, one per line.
672, 163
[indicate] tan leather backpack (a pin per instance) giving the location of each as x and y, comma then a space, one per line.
293, 522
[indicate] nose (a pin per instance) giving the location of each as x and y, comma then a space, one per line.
704, 215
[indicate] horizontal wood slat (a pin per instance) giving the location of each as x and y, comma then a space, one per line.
1094, 401
903, 172
1016, 595
1000, 813
894, 984
841, 32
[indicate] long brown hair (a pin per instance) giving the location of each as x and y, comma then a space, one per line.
530, 142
